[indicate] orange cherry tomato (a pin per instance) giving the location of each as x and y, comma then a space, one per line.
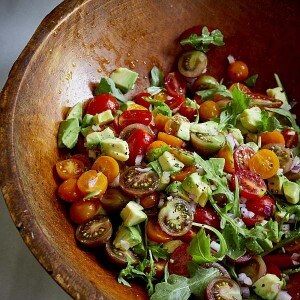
108, 166
92, 182
243, 88
265, 163
69, 168
173, 124
272, 137
135, 106
162, 96
226, 153
160, 121
171, 140
155, 145
155, 233
238, 71
183, 173
69, 191
209, 110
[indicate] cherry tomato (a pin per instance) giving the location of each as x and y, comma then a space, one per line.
238, 71
265, 163
255, 268
139, 99
159, 267
209, 110
250, 222
241, 157
138, 141
243, 88
207, 216
69, 168
223, 288
226, 153
82, 211
134, 116
263, 101
264, 206
282, 261
178, 261
293, 247
85, 159
114, 200
108, 166
102, 103
188, 112
150, 201
175, 84
116, 126
272, 137
173, 124
251, 184
155, 233
68, 190
273, 269
175, 102
187, 238
290, 137
293, 285
183, 173
192, 63
161, 96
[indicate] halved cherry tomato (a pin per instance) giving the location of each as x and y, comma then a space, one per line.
255, 268
175, 84
69, 168
92, 182
263, 101
171, 140
155, 233
264, 206
175, 102
68, 190
207, 216
82, 211
243, 88
173, 124
238, 71
179, 260
150, 201
222, 288
155, 145
251, 184
272, 137
108, 166
183, 173
139, 99
273, 269
114, 200
209, 110
134, 116
265, 163
187, 238
250, 222
290, 137
159, 267
293, 247
138, 141
293, 285
226, 153
282, 261
102, 103
135, 106
161, 96
116, 126
241, 157
160, 120
188, 112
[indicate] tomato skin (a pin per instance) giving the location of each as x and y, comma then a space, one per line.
85, 159
159, 267
208, 110
102, 103
226, 153
282, 261
290, 137
241, 157
207, 216
187, 238
68, 190
176, 102
293, 285
263, 101
129, 117
264, 206
139, 99
82, 211
188, 112
183, 173
250, 222
272, 137
150, 201
175, 84
251, 184
243, 88
238, 71
272, 268
138, 141
155, 233
69, 168
178, 261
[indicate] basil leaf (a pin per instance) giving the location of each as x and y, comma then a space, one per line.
156, 77
251, 81
107, 86
158, 252
268, 123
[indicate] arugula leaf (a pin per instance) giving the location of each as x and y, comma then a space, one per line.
251, 81
160, 107
158, 252
202, 42
200, 246
268, 123
107, 86
217, 90
156, 77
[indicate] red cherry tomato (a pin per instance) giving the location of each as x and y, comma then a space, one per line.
293, 285
68, 190
282, 261
251, 184
175, 102
139, 99
155, 233
187, 238
85, 159
102, 103
263, 101
82, 211
134, 116
188, 112
178, 261
272, 269
241, 157
207, 216
138, 141
238, 71
250, 222
264, 206
175, 84
290, 137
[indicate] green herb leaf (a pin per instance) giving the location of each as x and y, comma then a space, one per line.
202, 42
107, 86
158, 251
156, 77
153, 90
156, 153
268, 123
251, 81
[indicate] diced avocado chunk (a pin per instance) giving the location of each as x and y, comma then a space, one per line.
86, 130
251, 118
172, 245
75, 112
124, 79
236, 134
103, 118
275, 184
183, 131
175, 189
164, 181
68, 133
132, 214
278, 93
87, 120
268, 286
127, 237
116, 148
124, 106
239, 126
156, 153
169, 163
197, 189
291, 191
209, 127
94, 139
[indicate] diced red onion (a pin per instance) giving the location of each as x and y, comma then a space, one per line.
230, 59
283, 295
138, 159
296, 259
245, 292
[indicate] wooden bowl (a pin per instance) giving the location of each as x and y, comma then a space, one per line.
77, 44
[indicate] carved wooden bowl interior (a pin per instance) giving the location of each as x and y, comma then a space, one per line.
77, 44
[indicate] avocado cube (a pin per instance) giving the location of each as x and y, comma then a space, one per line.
275, 184
291, 191
68, 133
116, 148
236, 134
86, 130
169, 163
103, 118
94, 139
183, 131
251, 118
208, 127
75, 112
87, 120
127, 237
132, 214
268, 286
124, 79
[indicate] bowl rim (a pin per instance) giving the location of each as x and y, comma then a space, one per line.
10, 185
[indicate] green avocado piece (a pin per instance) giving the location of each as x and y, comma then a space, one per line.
253, 146
116, 148
103, 118
208, 127
87, 120
127, 237
124, 106
156, 153
175, 189
94, 139
132, 214
275, 184
236, 134
75, 112
124, 79
169, 163
291, 191
268, 286
68, 133
251, 118
183, 131
86, 130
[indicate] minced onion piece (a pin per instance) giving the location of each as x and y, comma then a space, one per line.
144, 170
296, 259
138, 159
215, 246
231, 140
245, 292
244, 279
96, 127
231, 59
283, 295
